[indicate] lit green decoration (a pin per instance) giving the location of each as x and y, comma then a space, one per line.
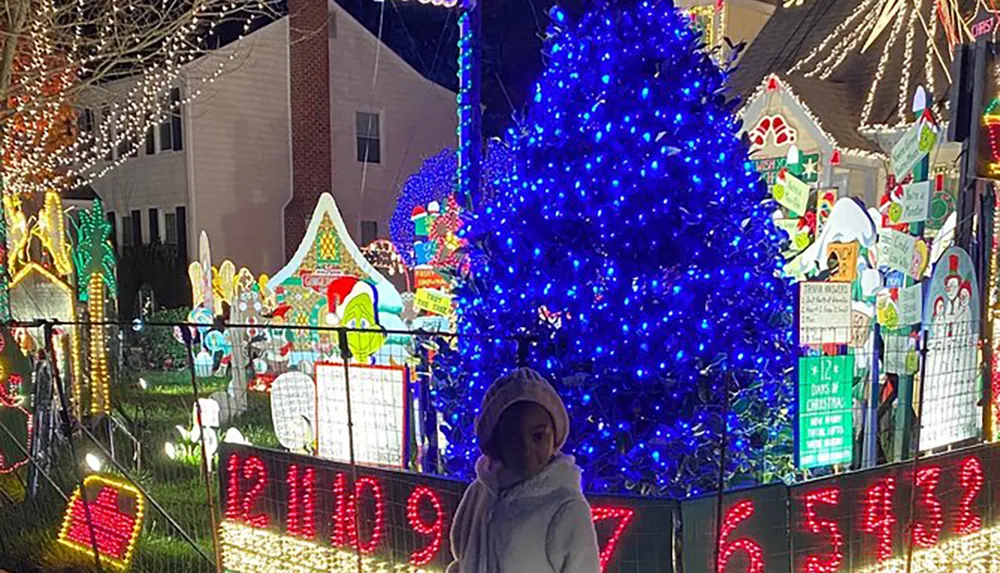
94, 256
4, 279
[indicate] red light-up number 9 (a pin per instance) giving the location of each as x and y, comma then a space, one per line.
435, 528
737, 514
971, 479
239, 507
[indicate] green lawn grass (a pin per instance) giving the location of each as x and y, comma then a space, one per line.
29, 528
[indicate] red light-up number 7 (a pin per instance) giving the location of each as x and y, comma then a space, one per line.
624, 516
240, 507
435, 528
737, 514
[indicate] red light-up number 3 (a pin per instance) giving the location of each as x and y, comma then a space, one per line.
624, 516
927, 530
737, 514
829, 563
239, 505
877, 517
435, 528
971, 479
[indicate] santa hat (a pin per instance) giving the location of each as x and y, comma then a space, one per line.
344, 289
953, 268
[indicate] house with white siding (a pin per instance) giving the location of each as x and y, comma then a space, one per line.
300, 110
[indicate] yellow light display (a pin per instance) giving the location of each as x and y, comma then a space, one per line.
113, 523
972, 552
100, 392
247, 549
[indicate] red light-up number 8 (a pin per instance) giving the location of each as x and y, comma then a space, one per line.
435, 528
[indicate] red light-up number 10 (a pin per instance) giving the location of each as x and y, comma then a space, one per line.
435, 528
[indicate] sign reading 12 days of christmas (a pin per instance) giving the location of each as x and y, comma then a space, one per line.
825, 431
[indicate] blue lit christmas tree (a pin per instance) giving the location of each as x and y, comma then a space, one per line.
633, 246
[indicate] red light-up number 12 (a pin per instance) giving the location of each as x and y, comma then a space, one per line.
435, 528
239, 505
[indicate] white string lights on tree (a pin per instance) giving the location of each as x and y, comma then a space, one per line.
874, 21
120, 57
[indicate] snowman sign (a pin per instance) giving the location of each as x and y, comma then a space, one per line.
951, 410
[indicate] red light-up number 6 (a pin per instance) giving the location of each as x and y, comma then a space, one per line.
239, 507
737, 514
971, 479
435, 528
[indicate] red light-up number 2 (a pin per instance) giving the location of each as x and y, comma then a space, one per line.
971, 479
435, 528
624, 516
239, 505
738, 514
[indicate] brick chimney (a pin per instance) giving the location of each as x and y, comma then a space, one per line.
309, 69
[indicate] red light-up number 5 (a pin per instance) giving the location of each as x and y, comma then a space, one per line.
829, 563
239, 505
435, 528
738, 514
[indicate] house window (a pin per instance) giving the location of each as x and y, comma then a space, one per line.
369, 232
86, 124
136, 227
170, 228
154, 225
171, 137
150, 141
182, 245
126, 231
110, 216
369, 149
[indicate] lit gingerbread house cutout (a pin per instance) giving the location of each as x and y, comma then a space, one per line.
328, 282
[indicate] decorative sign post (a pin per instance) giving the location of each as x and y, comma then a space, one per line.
825, 423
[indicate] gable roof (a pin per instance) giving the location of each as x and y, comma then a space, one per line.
823, 39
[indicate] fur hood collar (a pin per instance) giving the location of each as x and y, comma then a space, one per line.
561, 473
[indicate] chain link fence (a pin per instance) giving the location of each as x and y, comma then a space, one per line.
145, 454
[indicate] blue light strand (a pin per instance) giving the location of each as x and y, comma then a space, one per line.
632, 242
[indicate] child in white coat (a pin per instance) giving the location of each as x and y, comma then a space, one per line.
525, 513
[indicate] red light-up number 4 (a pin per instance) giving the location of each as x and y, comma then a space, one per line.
624, 516
829, 563
877, 517
435, 528
239, 505
737, 514
971, 479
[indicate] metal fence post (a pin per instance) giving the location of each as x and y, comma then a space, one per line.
50, 349
205, 473
345, 355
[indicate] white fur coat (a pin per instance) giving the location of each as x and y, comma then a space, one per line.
539, 526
